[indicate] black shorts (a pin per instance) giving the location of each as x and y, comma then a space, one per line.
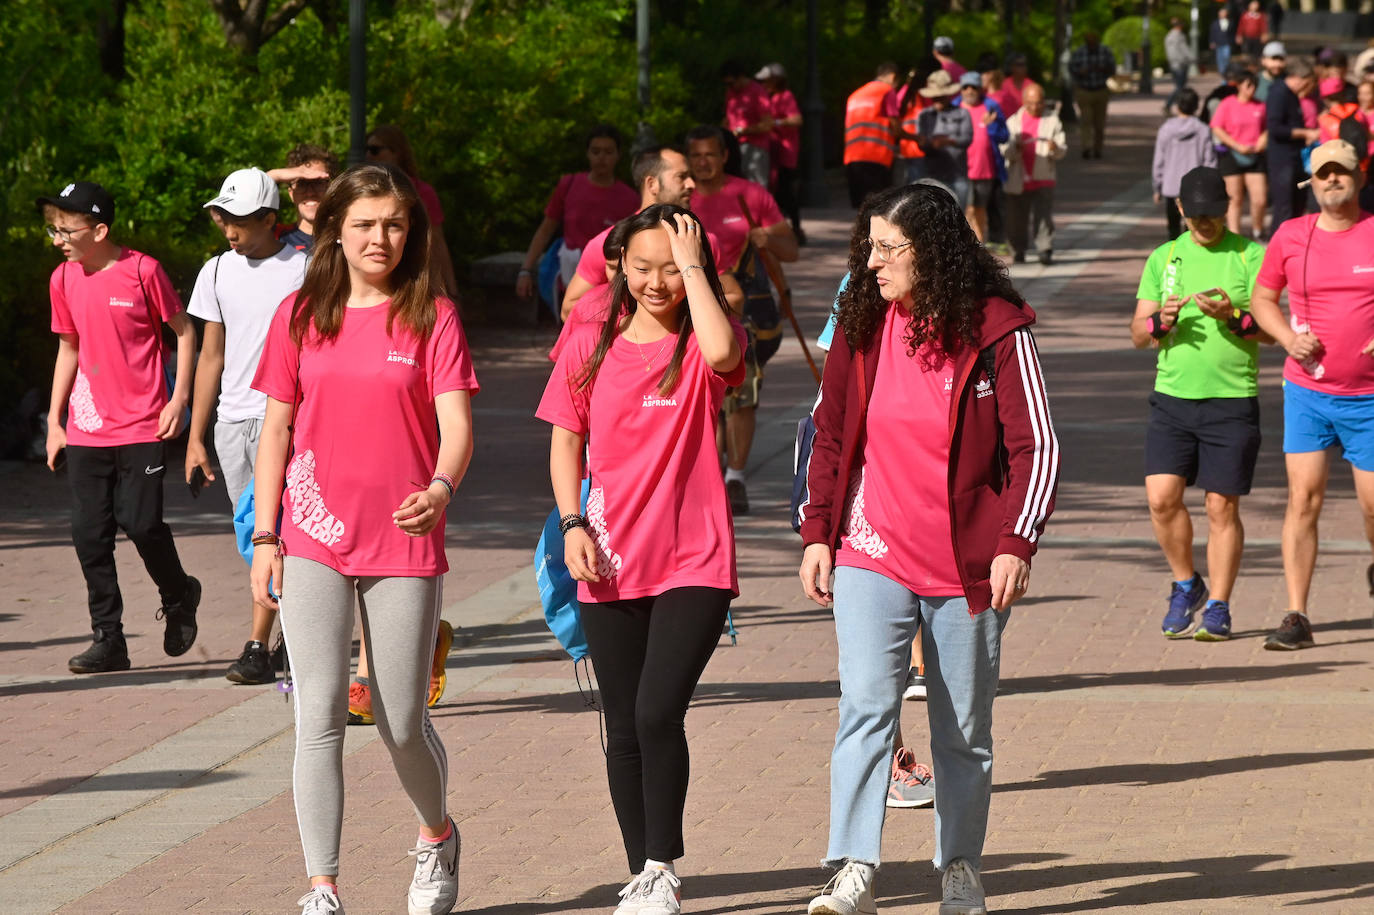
1227, 165
1212, 442
980, 192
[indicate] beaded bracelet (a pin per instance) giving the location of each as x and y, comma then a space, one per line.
446, 480
568, 522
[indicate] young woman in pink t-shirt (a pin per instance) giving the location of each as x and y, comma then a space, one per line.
368, 380
654, 555
1238, 124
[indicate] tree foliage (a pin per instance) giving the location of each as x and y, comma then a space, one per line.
160, 100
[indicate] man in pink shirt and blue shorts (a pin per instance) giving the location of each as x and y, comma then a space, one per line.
1326, 262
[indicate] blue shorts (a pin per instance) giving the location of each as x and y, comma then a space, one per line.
1314, 421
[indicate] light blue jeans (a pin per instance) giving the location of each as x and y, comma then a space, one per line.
875, 621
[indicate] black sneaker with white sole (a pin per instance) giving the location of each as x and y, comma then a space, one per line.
254, 666
180, 619
1293, 633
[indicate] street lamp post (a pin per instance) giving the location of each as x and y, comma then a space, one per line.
644, 136
1147, 85
813, 187
357, 79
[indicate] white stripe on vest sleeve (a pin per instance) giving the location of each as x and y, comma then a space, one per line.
1045, 461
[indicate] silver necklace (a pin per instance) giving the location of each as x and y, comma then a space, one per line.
639, 348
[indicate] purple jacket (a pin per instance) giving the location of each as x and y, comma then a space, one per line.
1181, 146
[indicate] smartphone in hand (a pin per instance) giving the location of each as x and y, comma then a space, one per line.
197, 482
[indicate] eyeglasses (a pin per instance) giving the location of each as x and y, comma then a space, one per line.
886, 253
54, 231
309, 185
375, 148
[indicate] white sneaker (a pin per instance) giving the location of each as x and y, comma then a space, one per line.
434, 889
915, 684
963, 890
655, 891
320, 901
849, 892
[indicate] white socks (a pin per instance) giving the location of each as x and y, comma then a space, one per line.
733, 474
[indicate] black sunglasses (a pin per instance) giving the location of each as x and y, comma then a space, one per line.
374, 148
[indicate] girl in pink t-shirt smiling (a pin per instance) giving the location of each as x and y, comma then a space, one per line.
368, 380
654, 554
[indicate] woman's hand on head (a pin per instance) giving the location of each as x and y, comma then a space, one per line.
1010, 578
817, 564
579, 554
421, 511
686, 242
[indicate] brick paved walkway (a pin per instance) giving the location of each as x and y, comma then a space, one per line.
1132, 772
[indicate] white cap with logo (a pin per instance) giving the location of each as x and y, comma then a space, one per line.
246, 191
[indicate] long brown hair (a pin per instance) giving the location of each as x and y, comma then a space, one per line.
623, 305
324, 294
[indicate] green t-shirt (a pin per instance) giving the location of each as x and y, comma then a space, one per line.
1202, 358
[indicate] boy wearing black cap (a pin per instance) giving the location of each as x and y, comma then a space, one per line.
1193, 304
108, 307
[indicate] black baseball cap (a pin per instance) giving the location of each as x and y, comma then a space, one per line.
83, 197
1203, 193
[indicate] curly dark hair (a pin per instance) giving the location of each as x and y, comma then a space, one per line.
954, 274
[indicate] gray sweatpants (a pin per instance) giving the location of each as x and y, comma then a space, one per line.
401, 621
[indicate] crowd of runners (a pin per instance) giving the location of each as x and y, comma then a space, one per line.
668, 293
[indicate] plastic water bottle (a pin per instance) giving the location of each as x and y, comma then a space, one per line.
1311, 365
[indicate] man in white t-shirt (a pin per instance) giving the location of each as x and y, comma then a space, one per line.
236, 294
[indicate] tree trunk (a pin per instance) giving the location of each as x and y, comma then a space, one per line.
109, 32
247, 24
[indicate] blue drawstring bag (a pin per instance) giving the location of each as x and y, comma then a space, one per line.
243, 523
548, 279
557, 590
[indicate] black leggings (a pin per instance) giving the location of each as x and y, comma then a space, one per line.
648, 654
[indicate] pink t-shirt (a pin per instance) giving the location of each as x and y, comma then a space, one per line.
954, 69
899, 506
787, 139
429, 199
1243, 121
590, 309
1311, 109
747, 108
657, 508
1030, 130
1012, 95
117, 315
981, 166
720, 213
591, 266
585, 209
1331, 289
366, 435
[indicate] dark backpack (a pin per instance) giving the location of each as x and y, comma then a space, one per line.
1355, 131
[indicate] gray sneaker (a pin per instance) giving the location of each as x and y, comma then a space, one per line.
434, 889
912, 784
849, 892
963, 891
321, 900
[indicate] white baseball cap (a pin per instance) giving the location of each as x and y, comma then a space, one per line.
246, 191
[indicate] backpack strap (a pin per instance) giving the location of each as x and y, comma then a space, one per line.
988, 357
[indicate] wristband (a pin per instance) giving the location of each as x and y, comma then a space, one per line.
1157, 328
687, 271
1242, 324
265, 538
568, 522
525, 271
445, 480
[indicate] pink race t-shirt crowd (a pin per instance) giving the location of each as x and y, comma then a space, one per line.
586, 209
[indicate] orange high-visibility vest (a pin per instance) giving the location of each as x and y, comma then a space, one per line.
908, 149
867, 137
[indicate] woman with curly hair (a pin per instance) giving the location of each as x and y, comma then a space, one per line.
932, 474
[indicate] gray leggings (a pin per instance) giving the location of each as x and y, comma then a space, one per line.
401, 621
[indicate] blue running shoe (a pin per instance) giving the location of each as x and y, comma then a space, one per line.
1216, 623
1183, 604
